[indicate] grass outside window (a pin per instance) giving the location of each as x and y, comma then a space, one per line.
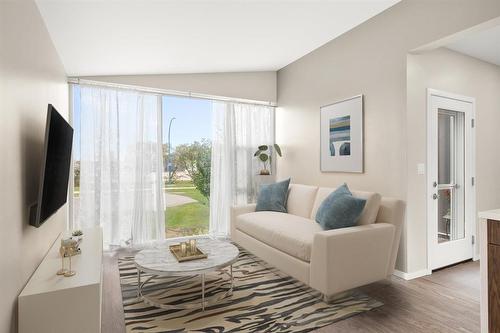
188, 219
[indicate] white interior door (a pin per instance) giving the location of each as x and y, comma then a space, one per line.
451, 198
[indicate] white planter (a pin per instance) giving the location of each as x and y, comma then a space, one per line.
261, 180
264, 179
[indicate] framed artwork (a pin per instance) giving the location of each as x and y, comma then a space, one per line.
342, 136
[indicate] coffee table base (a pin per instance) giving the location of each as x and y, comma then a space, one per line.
187, 305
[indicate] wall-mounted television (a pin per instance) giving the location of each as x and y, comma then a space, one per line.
56, 164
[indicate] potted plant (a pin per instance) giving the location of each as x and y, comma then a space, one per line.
77, 234
264, 154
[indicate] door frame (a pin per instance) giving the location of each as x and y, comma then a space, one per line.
470, 170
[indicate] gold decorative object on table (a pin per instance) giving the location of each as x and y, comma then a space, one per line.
192, 246
71, 251
69, 248
187, 251
62, 252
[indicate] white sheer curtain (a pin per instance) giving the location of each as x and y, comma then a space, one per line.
121, 165
238, 129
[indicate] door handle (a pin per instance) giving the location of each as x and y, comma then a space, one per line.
435, 196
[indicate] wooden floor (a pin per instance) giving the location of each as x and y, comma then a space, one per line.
446, 301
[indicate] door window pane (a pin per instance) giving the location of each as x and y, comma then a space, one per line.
445, 146
451, 175
445, 214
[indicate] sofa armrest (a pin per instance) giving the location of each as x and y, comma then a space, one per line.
242, 209
239, 210
347, 258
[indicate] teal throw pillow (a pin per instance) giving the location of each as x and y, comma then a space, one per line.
272, 197
340, 209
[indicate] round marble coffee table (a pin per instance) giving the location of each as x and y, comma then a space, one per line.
160, 262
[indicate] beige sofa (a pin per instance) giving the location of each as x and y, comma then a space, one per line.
329, 261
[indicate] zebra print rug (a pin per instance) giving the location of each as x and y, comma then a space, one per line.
264, 300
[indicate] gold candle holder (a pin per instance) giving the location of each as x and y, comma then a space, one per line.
62, 252
192, 246
183, 249
69, 248
71, 252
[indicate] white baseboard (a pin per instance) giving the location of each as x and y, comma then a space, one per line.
412, 275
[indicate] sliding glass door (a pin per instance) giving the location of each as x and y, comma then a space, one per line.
187, 146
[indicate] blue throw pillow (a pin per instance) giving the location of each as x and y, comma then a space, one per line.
340, 209
272, 197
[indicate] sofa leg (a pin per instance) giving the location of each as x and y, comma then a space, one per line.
330, 299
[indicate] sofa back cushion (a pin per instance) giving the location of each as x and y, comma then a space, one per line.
372, 206
369, 214
301, 199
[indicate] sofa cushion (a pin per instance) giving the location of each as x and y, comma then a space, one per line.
273, 197
369, 214
286, 232
301, 199
340, 209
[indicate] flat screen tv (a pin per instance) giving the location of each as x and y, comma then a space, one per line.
56, 163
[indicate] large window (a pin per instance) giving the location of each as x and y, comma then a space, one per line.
186, 149
118, 164
187, 132
76, 122
144, 162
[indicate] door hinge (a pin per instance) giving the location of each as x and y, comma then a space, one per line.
473, 181
473, 239
472, 123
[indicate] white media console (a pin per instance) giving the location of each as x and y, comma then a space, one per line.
52, 303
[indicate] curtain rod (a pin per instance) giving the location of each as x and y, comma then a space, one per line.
159, 91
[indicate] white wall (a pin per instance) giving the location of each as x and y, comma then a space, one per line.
369, 60
260, 86
31, 76
453, 72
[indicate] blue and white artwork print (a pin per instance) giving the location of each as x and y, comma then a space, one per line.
342, 136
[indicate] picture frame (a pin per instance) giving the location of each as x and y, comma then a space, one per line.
341, 136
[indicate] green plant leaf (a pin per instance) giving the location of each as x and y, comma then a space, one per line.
278, 149
257, 153
263, 147
263, 157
